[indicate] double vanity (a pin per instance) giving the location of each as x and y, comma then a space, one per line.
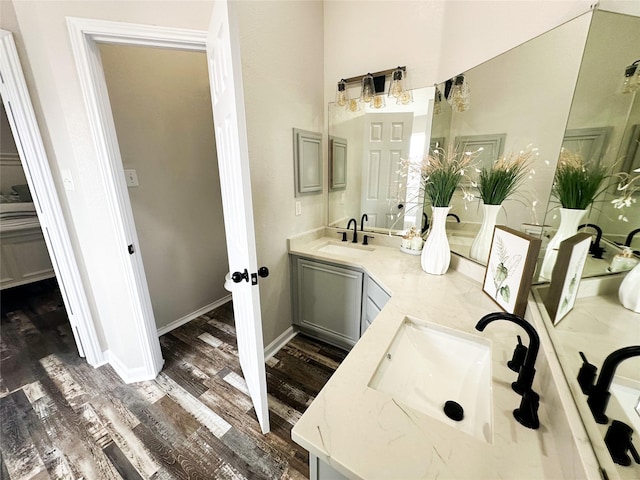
379, 417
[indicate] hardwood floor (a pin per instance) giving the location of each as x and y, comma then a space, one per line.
61, 418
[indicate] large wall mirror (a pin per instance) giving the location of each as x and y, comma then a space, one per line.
560, 88
374, 142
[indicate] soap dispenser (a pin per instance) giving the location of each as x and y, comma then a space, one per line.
624, 261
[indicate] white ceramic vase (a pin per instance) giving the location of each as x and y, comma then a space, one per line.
436, 254
570, 218
482, 243
629, 292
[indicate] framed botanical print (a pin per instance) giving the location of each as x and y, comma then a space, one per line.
510, 267
566, 275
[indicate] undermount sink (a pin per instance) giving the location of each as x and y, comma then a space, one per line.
352, 250
627, 393
427, 365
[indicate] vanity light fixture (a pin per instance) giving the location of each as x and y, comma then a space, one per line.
631, 81
373, 89
342, 97
459, 95
399, 88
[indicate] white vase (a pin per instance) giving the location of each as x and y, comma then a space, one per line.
436, 254
629, 292
570, 218
482, 243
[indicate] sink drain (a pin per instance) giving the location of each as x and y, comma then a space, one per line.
453, 410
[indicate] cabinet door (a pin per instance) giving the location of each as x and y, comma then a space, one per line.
329, 301
375, 300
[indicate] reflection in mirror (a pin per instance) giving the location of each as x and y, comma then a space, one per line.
377, 140
520, 101
603, 128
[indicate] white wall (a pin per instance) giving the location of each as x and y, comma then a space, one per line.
161, 104
282, 68
435, 39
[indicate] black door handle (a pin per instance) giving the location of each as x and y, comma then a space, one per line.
237, 277
263, 272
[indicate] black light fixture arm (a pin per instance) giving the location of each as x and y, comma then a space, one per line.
381, 73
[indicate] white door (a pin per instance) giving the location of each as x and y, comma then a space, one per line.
225, 78
386, 142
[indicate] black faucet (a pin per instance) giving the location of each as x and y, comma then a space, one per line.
595, 249
456, 217
362, 219
527, 371
627, 242
355, 229
425, 223
599, 394
618, 442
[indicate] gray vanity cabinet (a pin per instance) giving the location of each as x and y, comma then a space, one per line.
375, 299
328, 301
332, 302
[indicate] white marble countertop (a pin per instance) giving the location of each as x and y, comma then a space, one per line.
363, 433
597, 326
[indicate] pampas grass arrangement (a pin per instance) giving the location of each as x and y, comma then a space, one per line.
501, 180
577, 184
442, 171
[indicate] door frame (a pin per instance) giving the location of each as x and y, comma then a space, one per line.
35, 163
85, 35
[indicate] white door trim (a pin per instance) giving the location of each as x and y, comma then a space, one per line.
85, 34
25, 129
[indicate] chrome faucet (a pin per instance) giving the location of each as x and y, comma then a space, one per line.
355, 229
527, 371
599, 394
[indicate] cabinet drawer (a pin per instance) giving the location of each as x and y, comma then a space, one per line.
377, 295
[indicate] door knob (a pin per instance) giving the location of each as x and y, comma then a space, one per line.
263, 272
237, 277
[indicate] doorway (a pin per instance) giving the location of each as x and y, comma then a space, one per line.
161, 106
221, 43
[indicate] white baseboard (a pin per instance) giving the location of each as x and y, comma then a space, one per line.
282, 339
129, 375
187, 318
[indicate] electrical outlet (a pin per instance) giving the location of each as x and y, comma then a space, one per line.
132, 177
298, 208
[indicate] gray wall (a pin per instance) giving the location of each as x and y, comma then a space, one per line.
162, 112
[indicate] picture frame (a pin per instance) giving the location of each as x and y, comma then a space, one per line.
510, 268
337, 163
307, 155
566, 275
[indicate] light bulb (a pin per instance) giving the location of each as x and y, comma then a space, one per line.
341, 93
368, 88
437, 102
353, 105
396, 89
459, 94
378, 101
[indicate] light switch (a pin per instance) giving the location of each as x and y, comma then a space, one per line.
298, 208
132, 177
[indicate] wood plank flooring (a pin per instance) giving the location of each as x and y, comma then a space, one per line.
62, 419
